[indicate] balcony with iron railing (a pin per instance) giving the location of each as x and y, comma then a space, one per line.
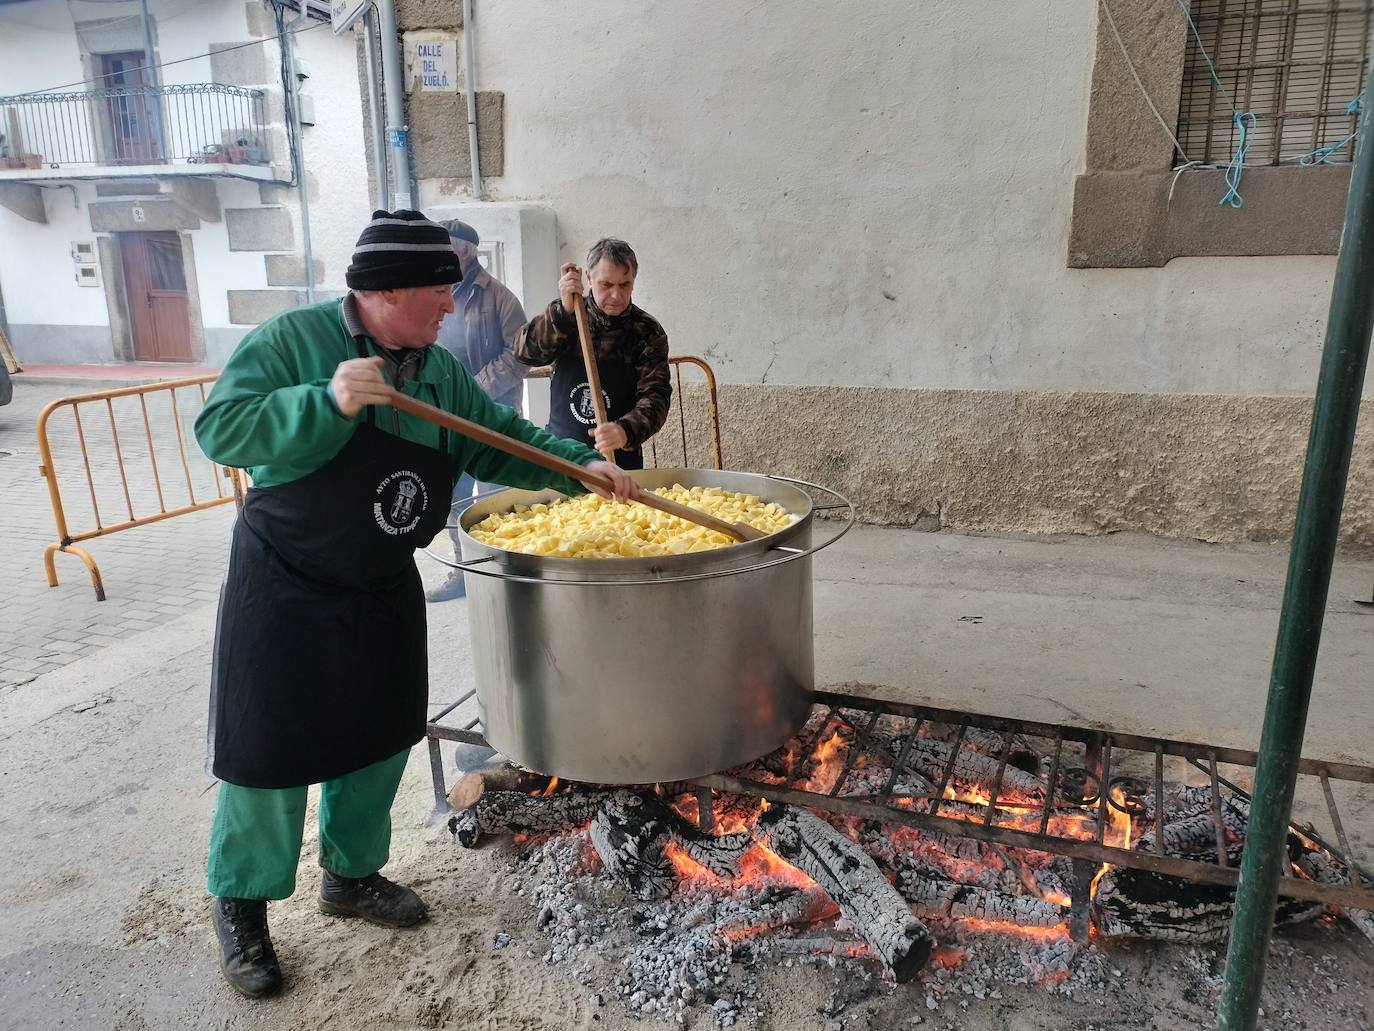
192, 129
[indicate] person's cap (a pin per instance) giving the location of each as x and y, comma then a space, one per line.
462, 231
400, 249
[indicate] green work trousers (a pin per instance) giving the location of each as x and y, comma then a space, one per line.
255, 844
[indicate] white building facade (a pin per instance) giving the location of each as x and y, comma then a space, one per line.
152, 213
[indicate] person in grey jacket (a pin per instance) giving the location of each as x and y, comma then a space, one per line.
480, 333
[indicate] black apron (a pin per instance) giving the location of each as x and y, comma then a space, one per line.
571, 413
321, 660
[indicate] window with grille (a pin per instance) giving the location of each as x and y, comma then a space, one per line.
1296, 64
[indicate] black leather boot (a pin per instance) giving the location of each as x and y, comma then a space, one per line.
245, 950
373, 898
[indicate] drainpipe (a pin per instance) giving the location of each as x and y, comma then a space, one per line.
397, 132
1332, 437
298, 151
468, 32
152, 110
374, 103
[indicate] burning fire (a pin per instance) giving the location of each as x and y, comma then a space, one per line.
972, 924
825, 764
828, 759
760, 866
819, 768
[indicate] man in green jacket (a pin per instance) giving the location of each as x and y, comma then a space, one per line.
320, 663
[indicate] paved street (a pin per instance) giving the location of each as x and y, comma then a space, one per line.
105, 812
152, 573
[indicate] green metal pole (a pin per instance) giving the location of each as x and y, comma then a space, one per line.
1304, 598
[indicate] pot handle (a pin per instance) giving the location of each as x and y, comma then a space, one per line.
840, 502
791, 554
466, 563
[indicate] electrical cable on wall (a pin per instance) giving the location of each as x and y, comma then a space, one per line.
180, 60
288, 103
1130, 67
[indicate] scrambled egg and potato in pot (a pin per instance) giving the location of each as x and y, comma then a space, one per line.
588, 527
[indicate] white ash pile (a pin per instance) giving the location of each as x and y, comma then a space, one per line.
667, 913
987, 960
659, 957
694, 954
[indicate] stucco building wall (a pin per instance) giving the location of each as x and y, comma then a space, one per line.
860, 215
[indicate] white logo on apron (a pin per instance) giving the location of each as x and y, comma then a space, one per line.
401, 501
580, 403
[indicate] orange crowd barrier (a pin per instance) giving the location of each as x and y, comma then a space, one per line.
99, 469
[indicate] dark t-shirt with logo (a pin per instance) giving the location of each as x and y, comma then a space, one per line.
635, 339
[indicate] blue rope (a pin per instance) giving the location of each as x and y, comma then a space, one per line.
1322, 155
1244, 122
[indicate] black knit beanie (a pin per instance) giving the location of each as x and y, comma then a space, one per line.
400, 249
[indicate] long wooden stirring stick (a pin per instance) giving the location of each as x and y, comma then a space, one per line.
584, 334
518, 448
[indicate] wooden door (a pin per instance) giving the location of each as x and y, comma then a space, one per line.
131, 114
155, 285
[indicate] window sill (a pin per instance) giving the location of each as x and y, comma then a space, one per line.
1127, 219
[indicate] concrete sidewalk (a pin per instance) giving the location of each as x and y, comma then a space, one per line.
105, 810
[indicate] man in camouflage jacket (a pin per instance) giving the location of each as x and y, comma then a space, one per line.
631, 356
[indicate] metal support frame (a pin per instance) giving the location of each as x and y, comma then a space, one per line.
1325, 471
1047, 826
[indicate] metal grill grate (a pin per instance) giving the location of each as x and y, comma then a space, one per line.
1083, 760
1296, 64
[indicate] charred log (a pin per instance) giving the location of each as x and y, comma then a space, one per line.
634, 829
631, 838
857, 886
1142, 904
1325, 868
512, 812
471, 786
949, 858
939, 897
1189, 826
1023, 755
1193, 835
1182, 801
783, 909
719, 853
973, 772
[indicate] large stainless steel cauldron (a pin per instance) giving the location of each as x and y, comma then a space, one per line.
636, 671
